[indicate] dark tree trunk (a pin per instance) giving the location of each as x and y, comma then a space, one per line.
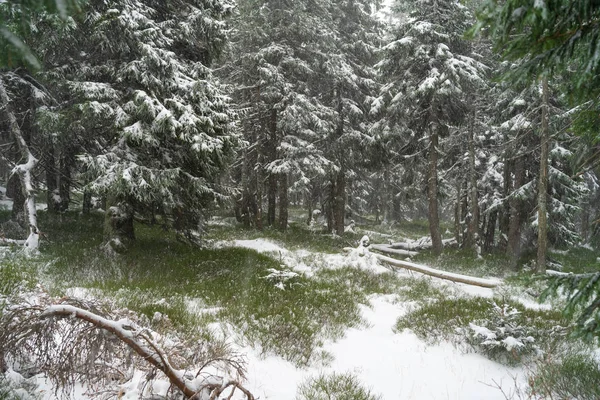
432, 191
283, 202
339, 202
259, 193
457, 213
473, 226
64, 182
271, 199
87, 202
514, 228
543, 184
272, 180
51, 179
504, 219
490, 231
118, 225
14, 190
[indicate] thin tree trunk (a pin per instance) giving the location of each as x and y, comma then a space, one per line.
272, 181
118, 224
432, 190
473, 227
490, 231
543, 184
513, 248
340, 202
504, 220
51, 179
283, 201
457, 213
259, 193
23, 170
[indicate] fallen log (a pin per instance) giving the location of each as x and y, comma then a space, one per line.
8, 242
384, 248
469, 280
420, 244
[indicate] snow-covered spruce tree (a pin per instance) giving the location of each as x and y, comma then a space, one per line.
152, 120
430, 72
302, 76
518, 125
350, 82
269, 69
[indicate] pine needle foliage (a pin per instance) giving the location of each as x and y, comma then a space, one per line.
583, 304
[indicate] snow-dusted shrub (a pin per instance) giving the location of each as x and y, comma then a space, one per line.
334, 387
502, 337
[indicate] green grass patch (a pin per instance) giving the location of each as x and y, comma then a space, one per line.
296, 236
335, 386
160, 274
440, 320
575, 376
463, 261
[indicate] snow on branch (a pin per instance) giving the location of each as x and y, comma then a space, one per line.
71, 340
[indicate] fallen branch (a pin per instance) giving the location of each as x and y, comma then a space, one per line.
8, 242
384, 248
420, 244
84, 333
469, 280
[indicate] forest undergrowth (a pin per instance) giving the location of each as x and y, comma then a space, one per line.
262, 302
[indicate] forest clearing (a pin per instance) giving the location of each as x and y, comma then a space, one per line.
299, 199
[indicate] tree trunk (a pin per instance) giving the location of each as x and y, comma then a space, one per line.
51, 179
432, 191
340, 202
87, 202
118, 224
15, 192
513, 248
457, 213
283, 202
259, 193
490, 231
504, 220
24, 171
272, 156
473, 227
543, 184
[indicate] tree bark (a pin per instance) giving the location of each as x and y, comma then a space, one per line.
24, 171
118, 224
272, 184
457, 213
513, 248
504, 219
490, 232
473, 227
283, 202
432, 191
340, 202
543, 183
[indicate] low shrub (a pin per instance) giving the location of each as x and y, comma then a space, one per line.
334, 387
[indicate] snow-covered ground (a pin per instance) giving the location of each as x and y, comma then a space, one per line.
394, 365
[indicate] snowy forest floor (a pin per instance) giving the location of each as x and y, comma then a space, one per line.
305, 316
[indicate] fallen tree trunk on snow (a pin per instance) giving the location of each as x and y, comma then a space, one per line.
450, 276
421, 244
384, 248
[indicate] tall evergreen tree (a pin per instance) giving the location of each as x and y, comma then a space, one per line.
431, 71
151, 119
